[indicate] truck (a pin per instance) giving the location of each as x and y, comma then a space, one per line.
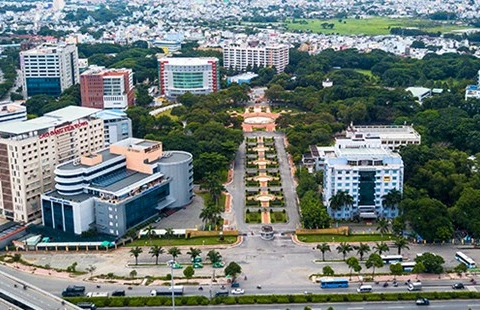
167, 291
97, 294
415, 286
74, 291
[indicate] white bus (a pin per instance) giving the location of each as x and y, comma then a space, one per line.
470, 263
392, 259
408, 266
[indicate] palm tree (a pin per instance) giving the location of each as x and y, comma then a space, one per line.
194, 253
210, 215
383, 226
156, 251
362, 249
214, 187
135, 252
344, 249
214, 256
392, 198
169, 233
401, 244
381, 248
174, 252
150, 231
324, 247
341, 199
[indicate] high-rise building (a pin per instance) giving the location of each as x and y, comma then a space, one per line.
30, 151
49, 69
366, 170
103, 88
247, 55
117, 188
58, 5
199, 76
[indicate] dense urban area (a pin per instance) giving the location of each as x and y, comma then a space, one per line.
275, 154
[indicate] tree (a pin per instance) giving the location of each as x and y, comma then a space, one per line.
91, 269
392, 198
133, 273
344, 249
396, 269
341, 199
194, 253
381, 248
460, 268
135, 252
401, 244
398, 225
328, 271
432, 262
169, 233
150, 232
418, 268
156, 251
214, 256
233, 269
382, 226
174, 252
352, 262
374, 261
313, 213
362, 249
214, 186
324, 247
188, 272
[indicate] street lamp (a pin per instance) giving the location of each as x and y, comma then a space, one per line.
173, 291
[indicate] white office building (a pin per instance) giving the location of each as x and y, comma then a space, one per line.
117, 126
198, 76
49, 69
365, 169
241, 56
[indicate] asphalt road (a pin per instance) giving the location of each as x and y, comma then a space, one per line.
443, 304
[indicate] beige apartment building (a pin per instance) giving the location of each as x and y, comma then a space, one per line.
30, 151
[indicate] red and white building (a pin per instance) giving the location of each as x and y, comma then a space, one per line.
199, 76
103, 88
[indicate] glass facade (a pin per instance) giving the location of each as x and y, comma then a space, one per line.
47, 213
68, 212
188, 79
57, 215
144, 207
46, 85
366, 188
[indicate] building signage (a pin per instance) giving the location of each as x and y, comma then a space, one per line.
63, 129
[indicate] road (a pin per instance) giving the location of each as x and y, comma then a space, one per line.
28, 295
443, 304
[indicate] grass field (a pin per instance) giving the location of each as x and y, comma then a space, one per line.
371, 26
341, 238
169, 114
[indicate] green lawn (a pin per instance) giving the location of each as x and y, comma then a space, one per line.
341, 238
364, 72
371, 26
167, 113
206, 196
253, 217
183, 241
278, 217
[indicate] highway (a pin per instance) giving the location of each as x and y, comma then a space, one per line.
443, 304
28, 297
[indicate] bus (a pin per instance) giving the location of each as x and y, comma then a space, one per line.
408, 266
470, 263
167, 291
392, 259
333, 283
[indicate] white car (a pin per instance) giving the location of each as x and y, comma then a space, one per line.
238, 291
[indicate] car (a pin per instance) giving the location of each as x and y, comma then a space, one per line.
235, 284
197, 259
237, 291
458, 286
118, 293
197, 265
177, 266
422, 302
218, 265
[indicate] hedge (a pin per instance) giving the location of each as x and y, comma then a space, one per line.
268, 299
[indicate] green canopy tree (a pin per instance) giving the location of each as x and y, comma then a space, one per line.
352, 262
374, 261
328, 271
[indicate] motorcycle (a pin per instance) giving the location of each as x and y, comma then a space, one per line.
385, 284
395, 283
200, 288
259, 287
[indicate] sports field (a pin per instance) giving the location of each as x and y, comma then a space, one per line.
369, 26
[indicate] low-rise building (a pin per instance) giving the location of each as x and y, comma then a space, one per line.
12, 112
473, 91
117, 188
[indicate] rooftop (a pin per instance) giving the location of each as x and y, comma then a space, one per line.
72, 165
114, 182
111, 114
188, 61
384, 131
52, 119
45, 49
174, 157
